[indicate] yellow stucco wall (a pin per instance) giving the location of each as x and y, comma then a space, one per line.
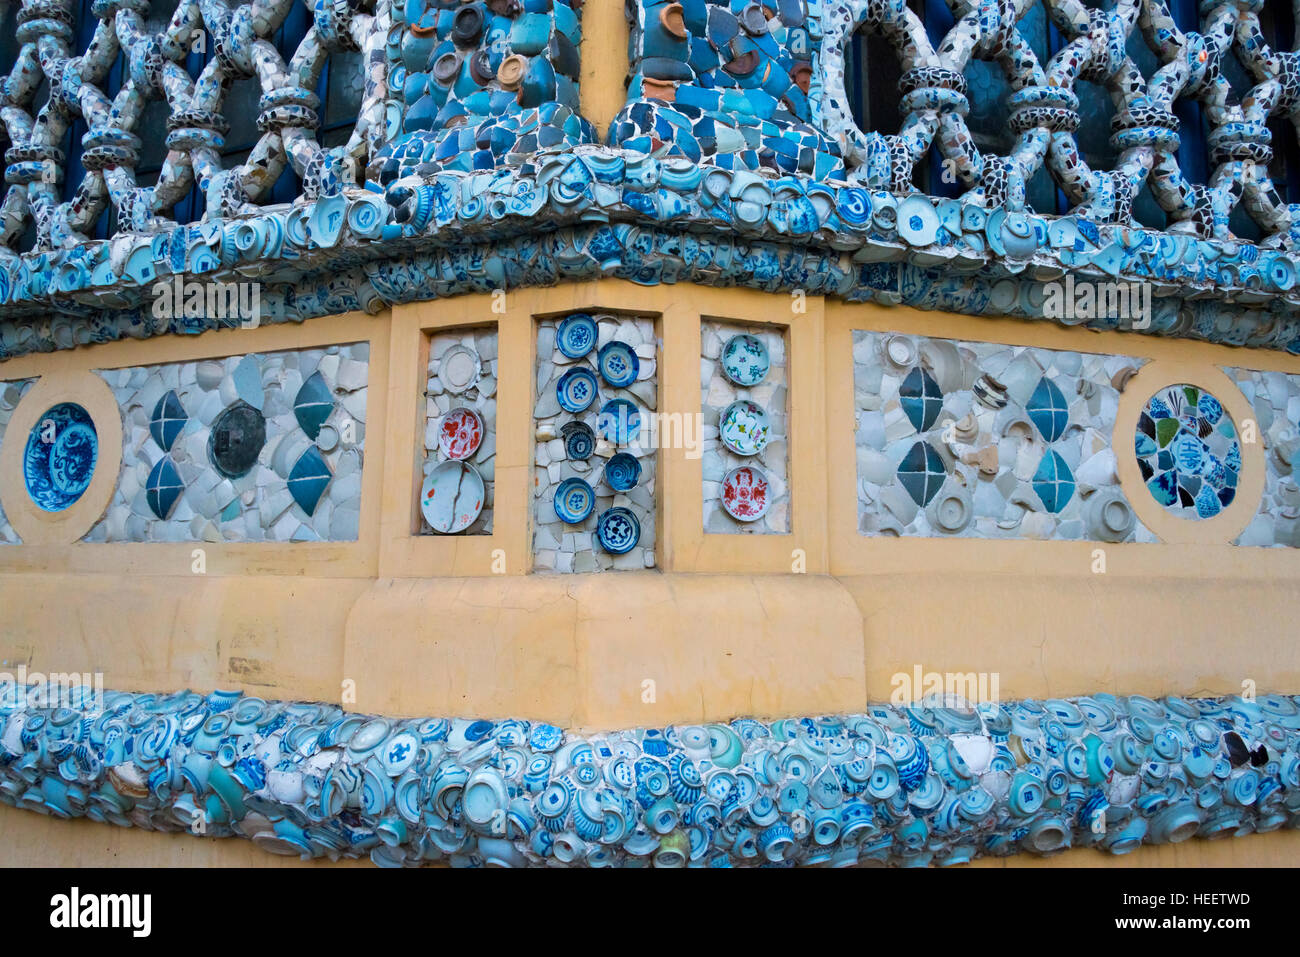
817, 620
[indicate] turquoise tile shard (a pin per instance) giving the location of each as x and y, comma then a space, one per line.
167, 421
921, 398
163, 488
1053, 481
313, 404
922, 473
1048, 409
308, 479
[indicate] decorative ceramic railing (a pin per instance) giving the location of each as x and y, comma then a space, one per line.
736, 161
904, 786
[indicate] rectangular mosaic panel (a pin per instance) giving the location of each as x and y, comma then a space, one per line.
983, 440
743, 366
460, 425
11, 394
266, 447
614, 454
1275, 397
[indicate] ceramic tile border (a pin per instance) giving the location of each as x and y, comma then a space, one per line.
908, 785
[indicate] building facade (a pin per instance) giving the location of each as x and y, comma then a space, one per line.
803, 431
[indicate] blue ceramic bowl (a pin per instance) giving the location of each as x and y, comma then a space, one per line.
574, 500
576, 389
618, 530
622, 472
576, 335
618, 364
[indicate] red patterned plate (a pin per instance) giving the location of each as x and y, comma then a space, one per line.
746, 493
460, 434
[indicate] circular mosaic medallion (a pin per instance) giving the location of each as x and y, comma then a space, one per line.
59, 460
236, 440
1188, 451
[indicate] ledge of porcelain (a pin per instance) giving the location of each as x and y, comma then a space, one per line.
910, 786
596, 211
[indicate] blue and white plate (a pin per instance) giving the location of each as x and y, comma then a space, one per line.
574, 500
576, 335
618, 364
619, 421
576, 389
618, 530
745, 360
622, 472
579, 440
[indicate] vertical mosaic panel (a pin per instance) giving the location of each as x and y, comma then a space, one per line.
594, 491
460, 433
743, 383
11, 394
1275, 397
256, 448
983, 440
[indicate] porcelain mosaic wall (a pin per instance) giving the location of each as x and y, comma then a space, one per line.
988, 441
594, 490
11, 394
1188, 451
1275, 398
257, 448
481, 85
532, 201
460, 433
746, 466
906, 786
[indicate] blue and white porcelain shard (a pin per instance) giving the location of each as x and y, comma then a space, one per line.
574, 500
313, 405
59, 460
163, 488
619, 421
308, 479
745, 360
622, 471
167, 421
576, 335
576, 390
618, 530
579, 440
743, 427
921, 399
922, 473
618, 364
452, 497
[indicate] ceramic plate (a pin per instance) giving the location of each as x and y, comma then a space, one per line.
459, 368
460, 434
579, 440
452, 497
620, 421
576, 389
618, 530
746, 493
618, 364
574, 500
743, 427
745, 360
622, 472
576, 336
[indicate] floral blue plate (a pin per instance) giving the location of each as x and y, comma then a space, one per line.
576, 335
618, 530
745, 360
576, 389
574, 500
618, 364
